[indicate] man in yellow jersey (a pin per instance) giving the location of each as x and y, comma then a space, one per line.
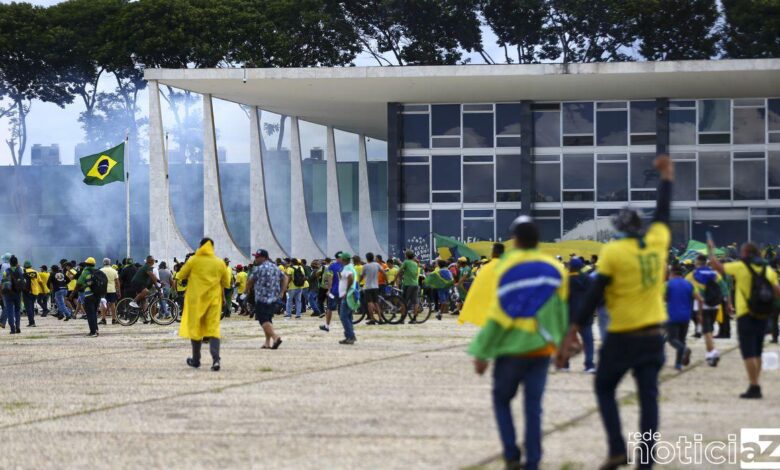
241, 276
631, 278
31, 291
43, 297
756, 291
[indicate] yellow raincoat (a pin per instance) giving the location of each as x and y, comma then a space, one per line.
206, 278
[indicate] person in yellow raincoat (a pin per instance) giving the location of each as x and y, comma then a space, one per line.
206, 278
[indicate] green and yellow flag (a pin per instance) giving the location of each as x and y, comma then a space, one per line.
104, 167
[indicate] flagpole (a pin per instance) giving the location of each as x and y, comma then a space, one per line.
127, 193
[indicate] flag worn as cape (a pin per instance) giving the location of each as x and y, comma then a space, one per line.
435, 280
480, 296
529, 311
104, 167
440, 241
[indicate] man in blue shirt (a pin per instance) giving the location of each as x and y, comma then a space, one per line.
679, 304
268, 284
331, 302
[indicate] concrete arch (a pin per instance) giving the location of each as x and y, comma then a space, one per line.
165, 239
337, 238
261, 231
302, 243
366, 231
214, 222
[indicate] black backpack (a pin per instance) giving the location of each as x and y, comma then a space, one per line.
712, 293
98, 283
14, 281
762, 295
298, 277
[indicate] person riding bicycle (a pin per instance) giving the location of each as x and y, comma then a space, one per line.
143, 283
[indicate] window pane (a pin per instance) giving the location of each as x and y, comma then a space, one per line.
547, 129
642, 116
682, 128
478, 230
612, 183
446, 172
447, 223
714, 170
764, 229
577, 118
445, 119
612, 128
714, 116
416, 236
549, 229
445, 197
731, 231
508, 119
477, 130
774, 115
684, 187
478, 183
508, 168
414, 131
504, 219
749, 180
774, 169
749, 125
643, 175
414, 184
575, 224
547, 182
578, 172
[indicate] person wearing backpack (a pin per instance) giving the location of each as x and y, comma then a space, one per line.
713, 292
298, 285
13, 286
92, 283
32, 288
756, 291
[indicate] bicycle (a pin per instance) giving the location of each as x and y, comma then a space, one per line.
395, 311
127, 315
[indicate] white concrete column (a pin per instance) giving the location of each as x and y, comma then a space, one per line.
214, 222
367, 234
261, 232
302, 243
165, 239
337, 238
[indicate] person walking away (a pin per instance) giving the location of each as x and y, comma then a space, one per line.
298, 285
32, 288
756, 291
680, 297
126, 275
113, 287
206, 278
45, 292
347, 285
579, 283
4, 264
241, 277
228, 305
440, 282
312, 294
526, 320
713, 292
85, 284
631, 278
370, 278
13, 287
331, 277
268, 285
410, 285
166, 283
59, 285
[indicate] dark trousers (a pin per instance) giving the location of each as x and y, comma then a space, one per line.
213, 349
773, 326
724, 327
644, 357
29, 306
91, 307
12, 308
508, 373
43, 302
675, 335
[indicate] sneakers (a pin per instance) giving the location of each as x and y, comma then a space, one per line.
102, 322
31, 325
192, 363
349, 341
713, 358
93, 334
134, 304
325, 328
686, 358
678, 367
590, 370
753, 392
216, 366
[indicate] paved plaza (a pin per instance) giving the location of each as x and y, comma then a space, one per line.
402, 397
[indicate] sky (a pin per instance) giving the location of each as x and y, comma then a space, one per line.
49, 124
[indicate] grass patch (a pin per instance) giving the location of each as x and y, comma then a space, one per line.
16, 405
265, 369
34, 337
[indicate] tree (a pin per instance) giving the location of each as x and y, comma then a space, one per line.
519, 24
430, 32
674, 30
751, 28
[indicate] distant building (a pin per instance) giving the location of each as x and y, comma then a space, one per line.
45, 154
317, 154
222, 154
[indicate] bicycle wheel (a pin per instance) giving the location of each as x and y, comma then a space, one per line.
392, 309
157, 316
357, 316
125, 314
422, 315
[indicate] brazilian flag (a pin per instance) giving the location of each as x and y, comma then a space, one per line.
104, 167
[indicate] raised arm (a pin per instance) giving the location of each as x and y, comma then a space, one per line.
663, 204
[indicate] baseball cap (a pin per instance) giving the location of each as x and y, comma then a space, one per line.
261, 253
345, 255
90, 260
576, 264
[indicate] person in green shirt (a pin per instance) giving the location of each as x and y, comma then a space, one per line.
90, 301
408, 276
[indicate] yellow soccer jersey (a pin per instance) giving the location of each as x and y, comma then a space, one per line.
635, 293
743, 282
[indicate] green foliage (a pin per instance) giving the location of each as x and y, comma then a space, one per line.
674, 30
751, 28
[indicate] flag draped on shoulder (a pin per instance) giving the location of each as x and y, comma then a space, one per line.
481, 295
104, 167
526, 306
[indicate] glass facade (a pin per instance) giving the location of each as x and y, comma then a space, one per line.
588, 159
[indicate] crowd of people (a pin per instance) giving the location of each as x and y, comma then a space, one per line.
533, 310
